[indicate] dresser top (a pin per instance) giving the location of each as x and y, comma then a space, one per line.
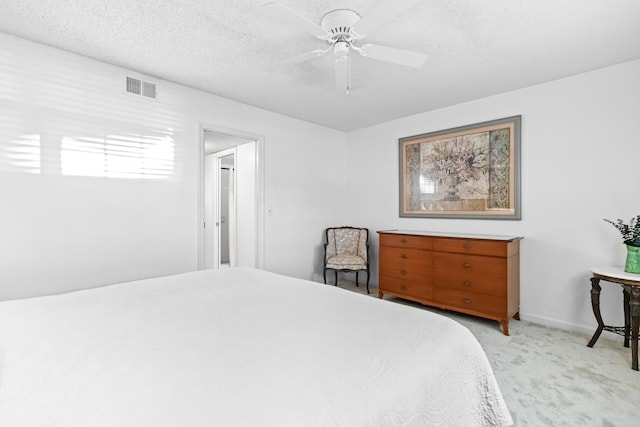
455, 235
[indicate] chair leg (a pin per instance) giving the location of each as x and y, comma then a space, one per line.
324, 275
367, 282
357, 286
336, 271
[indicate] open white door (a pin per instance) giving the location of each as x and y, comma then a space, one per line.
220, 209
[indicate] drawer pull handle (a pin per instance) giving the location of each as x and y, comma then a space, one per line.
403, 287
467, 265
404, 273
467, 283
403, 240
403, 256
467, 245
466, 301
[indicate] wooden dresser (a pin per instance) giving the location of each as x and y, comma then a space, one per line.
473, 274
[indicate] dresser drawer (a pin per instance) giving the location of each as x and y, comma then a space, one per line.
471, 246
405, 263
406, 241
480, 303
470, 273
401, 287
480, 285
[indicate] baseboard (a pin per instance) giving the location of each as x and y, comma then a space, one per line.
574, 327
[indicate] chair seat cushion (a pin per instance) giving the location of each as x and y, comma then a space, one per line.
346, 262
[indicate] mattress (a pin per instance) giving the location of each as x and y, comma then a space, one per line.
238, 347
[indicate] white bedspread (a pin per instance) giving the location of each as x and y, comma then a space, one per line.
238, 347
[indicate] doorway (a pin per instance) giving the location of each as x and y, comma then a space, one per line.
231, 224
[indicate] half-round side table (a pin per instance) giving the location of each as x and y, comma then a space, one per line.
631, 290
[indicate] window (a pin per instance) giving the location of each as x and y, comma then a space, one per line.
125, 155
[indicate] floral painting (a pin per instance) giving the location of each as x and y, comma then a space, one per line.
466, 172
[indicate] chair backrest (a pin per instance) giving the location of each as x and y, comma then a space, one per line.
347, 241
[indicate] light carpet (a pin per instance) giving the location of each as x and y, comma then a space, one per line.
548, 376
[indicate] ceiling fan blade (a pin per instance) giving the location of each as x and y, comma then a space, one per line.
294, 18
393, 55
296, 59
343, 74
381, 14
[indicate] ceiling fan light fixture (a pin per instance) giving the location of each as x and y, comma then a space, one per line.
341, 49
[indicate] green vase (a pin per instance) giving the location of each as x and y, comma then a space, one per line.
633, 260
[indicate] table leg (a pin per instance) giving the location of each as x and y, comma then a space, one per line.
627, 316
634, 307
595, 304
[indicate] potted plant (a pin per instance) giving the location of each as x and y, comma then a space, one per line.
630, 237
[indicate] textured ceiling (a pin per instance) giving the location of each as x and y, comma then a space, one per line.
475, 48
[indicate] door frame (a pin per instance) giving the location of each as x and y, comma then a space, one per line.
259, 188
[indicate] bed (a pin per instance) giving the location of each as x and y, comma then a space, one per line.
238, 347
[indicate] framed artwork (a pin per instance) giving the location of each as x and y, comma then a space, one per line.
467, 172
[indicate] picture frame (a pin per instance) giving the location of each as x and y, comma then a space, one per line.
467, 172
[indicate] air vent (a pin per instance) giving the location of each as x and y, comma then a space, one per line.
140, 87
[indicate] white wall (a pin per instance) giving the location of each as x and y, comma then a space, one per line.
61, 232
580, 154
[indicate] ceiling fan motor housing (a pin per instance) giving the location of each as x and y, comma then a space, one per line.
338, 24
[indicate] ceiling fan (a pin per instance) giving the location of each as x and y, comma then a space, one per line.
342, 30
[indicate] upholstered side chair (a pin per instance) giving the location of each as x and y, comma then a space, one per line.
346, 249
